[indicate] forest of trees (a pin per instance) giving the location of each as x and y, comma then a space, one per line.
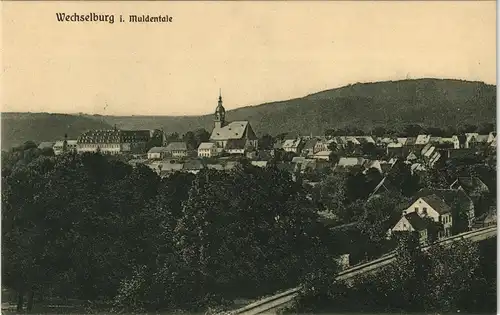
93, 228
460, 278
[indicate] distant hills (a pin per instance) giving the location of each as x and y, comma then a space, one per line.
429, 102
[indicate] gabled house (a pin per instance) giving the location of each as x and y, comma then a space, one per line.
411, 223
158, 153
177, 149
454, 198
422, 140
236, 146
293, 145
435, 208
207, 149
308, 148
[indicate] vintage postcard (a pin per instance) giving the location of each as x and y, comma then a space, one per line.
248, 157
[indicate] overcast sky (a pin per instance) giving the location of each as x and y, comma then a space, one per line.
254, 51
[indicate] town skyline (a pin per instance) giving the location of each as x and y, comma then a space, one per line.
177, 69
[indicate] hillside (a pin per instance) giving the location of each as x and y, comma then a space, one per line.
20, 127
430, 102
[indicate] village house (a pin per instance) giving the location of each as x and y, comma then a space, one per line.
411, 223
61, 147
476, 189
435, 208
454, 197
323, 155
308, 148
293, 145
207, 149
237, 130
177, 149
158, 153
237, 146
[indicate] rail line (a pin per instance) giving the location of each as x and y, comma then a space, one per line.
281, 299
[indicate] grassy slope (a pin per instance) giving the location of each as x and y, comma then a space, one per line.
20, 127
431, 102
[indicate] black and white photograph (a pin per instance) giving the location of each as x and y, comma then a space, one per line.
248, 157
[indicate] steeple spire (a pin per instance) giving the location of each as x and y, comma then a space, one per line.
220, 113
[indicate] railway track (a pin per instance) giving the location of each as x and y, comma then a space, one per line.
276, 301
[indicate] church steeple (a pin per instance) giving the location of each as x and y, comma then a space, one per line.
220, 113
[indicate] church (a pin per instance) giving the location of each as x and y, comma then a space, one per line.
232, 136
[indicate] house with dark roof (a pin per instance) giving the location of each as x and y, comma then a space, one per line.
113, 141
454, 198
309, 145
158, 153
177, 149
433, 207
411, 223
237, 130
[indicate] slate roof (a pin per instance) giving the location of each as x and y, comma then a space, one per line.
158, 150
233, 130
416, 221
437, 204
206, 146
309, 145
472, 183
291, 143
448, 195
177, 146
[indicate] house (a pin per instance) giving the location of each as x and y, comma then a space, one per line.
193, 166
158, 153
323, 145
207, 149
410, 141
350, 161
452, 142
323, 155
293, 145
64, 146
113, 141
422, 140
235, 146
237, 130
177, 149
454, 197
308, 148
259, 163
411, 223
435, 208
164, 168
46, 145
487, 219
365, 139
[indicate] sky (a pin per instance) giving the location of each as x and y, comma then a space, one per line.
255, 52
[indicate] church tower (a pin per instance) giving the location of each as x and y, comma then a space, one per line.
220, 114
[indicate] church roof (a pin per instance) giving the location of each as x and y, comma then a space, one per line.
233, 130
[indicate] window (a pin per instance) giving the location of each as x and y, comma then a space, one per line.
416, 209
424, 211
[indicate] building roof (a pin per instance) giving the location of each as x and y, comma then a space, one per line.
323, 153
437, 204
309, 145
206, 146
422, 139
60, 143
233, 130
410, 141
176, 146
46, 145
291, 143
416, 221
217, 167
158, 150
298, 159
351, 161
448, 195
113, 136
471, 183
259, 163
